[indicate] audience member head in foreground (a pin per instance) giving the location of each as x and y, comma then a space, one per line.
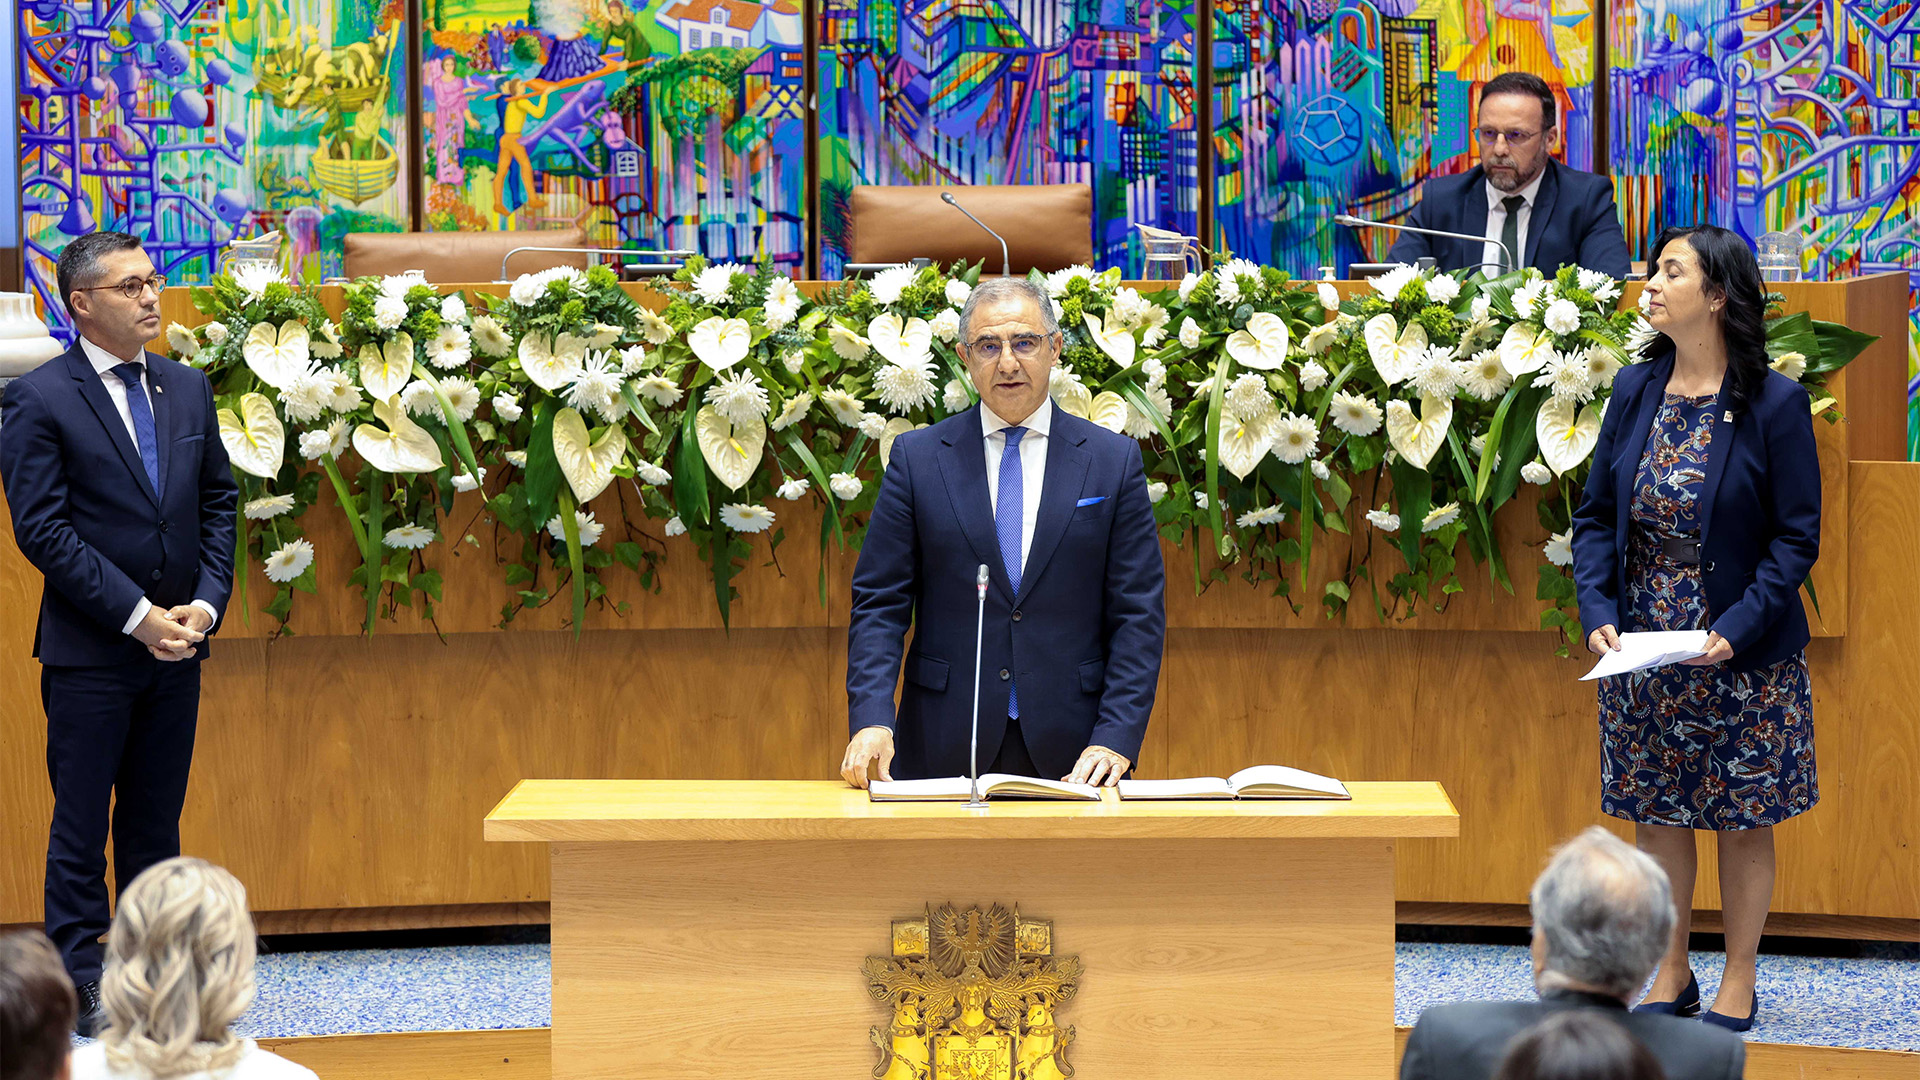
1602, 914
37, 1007
1578, 1046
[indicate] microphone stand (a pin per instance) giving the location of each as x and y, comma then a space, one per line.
1352, 222
1006, 264
979, 630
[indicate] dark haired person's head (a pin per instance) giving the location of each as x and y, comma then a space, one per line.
109, 287
1703, 290
1515, 128
1578, 1044
37, 1008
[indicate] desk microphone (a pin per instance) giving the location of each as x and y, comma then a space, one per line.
1357, 223
1006, 264
979, 629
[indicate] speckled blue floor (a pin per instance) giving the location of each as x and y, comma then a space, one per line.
1872, 1004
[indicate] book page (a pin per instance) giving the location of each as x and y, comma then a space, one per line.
1192, 787
937, 789
1267, 780
1034, 787
1649, 649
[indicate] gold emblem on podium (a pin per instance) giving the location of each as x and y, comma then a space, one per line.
973, 994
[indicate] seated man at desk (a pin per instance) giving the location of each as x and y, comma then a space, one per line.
1545, 213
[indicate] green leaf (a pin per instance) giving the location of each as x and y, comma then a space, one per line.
544, 479
799, 447
627, 554
1517, 444
455, 429
571, 528
1485, 472
371, 540
720, 552
1215, 401
633, 404
690, 475
1413, 497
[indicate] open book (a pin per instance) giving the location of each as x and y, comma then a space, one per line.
1253, 782
992, 785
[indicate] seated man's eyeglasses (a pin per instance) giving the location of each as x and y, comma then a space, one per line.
133, 286
1024, 346
1489, 136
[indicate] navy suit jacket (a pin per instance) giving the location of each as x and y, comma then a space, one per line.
1759, 516
85, 514
1466, 1041
1083, 637
1573, 223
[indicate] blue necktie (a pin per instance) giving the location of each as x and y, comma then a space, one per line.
1006, 522
142, 413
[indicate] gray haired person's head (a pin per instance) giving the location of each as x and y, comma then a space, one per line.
1602, 916
1000, 290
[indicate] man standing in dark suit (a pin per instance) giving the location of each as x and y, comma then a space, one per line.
1546, 214
1057, 509
1602, 914
121, 496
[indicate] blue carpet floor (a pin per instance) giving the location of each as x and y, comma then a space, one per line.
1871, 1004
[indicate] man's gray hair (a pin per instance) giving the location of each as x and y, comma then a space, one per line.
1603, 910
998, 290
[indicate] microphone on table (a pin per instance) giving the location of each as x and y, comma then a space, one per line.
1006, 264
979, 632
1352, 222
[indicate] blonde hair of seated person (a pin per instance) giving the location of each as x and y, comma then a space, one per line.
179, 971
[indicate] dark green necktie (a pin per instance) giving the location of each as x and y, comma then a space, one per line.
1510, 230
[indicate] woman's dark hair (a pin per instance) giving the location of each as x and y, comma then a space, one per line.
37, 1007
1729, 272
1578, 1044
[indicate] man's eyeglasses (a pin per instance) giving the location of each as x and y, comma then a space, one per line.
1489, 136
989, 349
133, 286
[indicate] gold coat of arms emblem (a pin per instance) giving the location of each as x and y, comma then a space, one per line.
974, 994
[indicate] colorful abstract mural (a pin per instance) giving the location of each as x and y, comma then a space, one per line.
192, 122
1322, 108
677, 124
1100, 92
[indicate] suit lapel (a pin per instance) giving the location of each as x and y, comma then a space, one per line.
1634, 443
963, 467
94, 393
1542, 213
1066, 477
1719, 444
162, 402
1473, 219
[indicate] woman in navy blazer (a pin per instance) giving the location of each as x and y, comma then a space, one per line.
1703, 512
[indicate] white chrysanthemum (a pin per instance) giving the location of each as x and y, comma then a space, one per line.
1295, 438
1328, 296
507, 407
272, 506
1189, 333
1201, 501
1565, 376
946, 325
1559, 548
1601, 365
845, 486
1320, 470
254, 277
1320, 337
658, 389
1791, 364
1156, 491
1247, 397
655, 329
652, 474
887, 285
182, 342
397, 286
452, 347
463, 396
419, 401
1533, 472
1128, 308
1434, 374
1390, 284
217, 332
1483, 376
675, 527
389, 312
794, 361
783, 302
1236, 279
847, 345
1261, 515
1440, 517
793, 411
1527, 297
903, 388
409, 537
1639, 335
714, 285
746, 517
453, 308
1140, 425
1443, 288
1312, 376
313, 445
1356, 415
957, 292
1482, 307
1602, 287
955, 398
844, 406
589, 529
1063, 380
304, 399
1188, 283
633, 360
1154, 370
793, 488
326, 343
602, 336
739, 397
597, 388
1153, 326
873, 425
466, 481
515, 458
1059, 280
1383, 520
1562, 317
489, 338
289, 561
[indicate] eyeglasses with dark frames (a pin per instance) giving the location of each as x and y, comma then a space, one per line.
133, 286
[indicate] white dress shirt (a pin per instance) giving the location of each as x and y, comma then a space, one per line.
1033, 466
1491, 258
103, 364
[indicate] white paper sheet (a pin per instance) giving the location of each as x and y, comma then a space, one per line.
1649, 649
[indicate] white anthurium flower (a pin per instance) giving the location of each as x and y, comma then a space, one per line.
552, 363
907, 343
720, 343
271, 506
402, 446
289, 561
278, 355
181, 340
896, 427
1524, 349
1109, 410
386, 368
1262, 346
1559, 548
1791, 364
746, 517
255, 439
1396, 353
1243, 444
1069, 392
1567, 437
1418, 438
732, 451
587, 465
1116, 340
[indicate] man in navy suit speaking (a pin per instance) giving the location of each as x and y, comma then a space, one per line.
1056, 507
1546, 214
121, 496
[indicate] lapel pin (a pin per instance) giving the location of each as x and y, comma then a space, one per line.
1728, 416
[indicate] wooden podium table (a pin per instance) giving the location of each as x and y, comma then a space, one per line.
717, 929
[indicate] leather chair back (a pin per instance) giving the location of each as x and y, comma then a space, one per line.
1046, 226
448, 257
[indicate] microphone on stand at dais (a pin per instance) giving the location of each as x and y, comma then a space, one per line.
980, 579
1352, 222
1006, 264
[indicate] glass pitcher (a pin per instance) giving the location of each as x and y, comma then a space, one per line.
260, 249
1169, 255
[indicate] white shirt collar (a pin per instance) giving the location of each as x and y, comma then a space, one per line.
1495, 196
103, 361
1040, 423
